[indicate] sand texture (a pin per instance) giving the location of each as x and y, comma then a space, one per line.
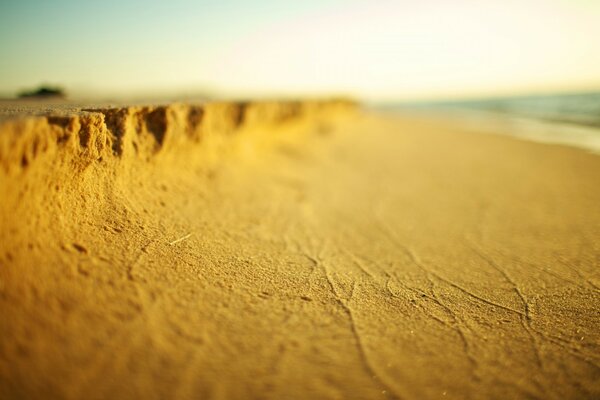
300, 250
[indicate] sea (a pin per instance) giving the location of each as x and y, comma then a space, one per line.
567, 119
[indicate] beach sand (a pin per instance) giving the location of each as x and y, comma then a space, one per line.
293, 251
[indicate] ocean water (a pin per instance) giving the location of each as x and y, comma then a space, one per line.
568, 119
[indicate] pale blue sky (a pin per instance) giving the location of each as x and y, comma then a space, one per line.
375, 49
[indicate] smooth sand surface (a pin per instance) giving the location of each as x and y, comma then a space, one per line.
353, 256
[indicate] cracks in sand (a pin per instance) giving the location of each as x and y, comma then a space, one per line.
317, 258
455, 324
526, 317
415, 260
588, 281
344, 303
482, 235
361, 264
520, 261
312, 255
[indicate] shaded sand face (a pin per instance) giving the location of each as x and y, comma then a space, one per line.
327, 255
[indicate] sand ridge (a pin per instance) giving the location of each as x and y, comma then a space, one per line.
145, 128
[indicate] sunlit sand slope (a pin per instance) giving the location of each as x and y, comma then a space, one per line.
293, 251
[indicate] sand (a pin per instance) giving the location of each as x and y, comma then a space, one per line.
293, 251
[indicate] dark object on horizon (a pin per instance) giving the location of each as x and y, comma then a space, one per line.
45, 92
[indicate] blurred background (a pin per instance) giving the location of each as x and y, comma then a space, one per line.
378, 51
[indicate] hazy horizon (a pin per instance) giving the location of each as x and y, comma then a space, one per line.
389, 51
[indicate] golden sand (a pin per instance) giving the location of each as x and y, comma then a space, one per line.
293, 251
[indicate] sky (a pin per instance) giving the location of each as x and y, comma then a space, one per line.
381, 50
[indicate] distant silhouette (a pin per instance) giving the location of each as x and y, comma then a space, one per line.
45, 92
